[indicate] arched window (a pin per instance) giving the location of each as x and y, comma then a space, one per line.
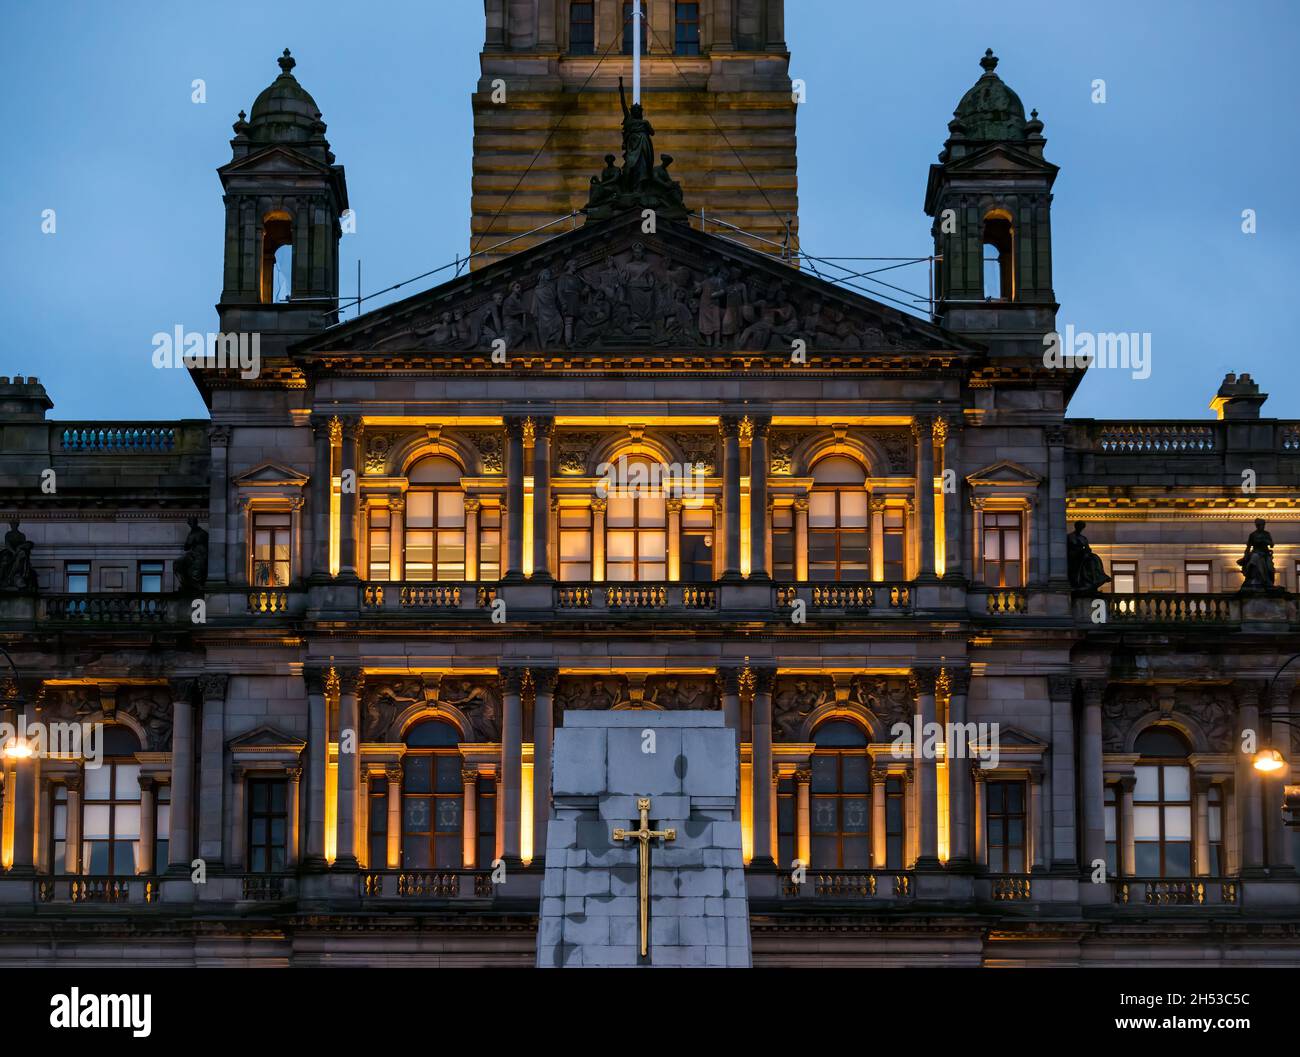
435, 521
110, 807
840, 798
999, 257
432, 797
277, 257
1162, 805
839, 529
636, 529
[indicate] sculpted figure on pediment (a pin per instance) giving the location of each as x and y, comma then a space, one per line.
673, 692
793, 702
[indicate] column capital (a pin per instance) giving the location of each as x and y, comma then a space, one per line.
803, 776
393, 772
212, 686
468, 775
801, 504
980, 775
764, 678
542, 427
1094, 690
219, 436
1126, 782
182, 690
294, 772
1060, 686
729, 425
351, 679
1247, 693
728, 680
1279, 693
759, 426
514, 426
544, 679
879, 775
922, 426
317, 680
958, 680
351, 427
675, 505
397, 504
73, 782
599, 505
923, 680
512, 679
941, 427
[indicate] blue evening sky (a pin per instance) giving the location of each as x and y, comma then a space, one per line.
1199, 124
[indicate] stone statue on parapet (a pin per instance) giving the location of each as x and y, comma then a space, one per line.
639, 184
192, 566
1084, 568
16, 574
1257, 562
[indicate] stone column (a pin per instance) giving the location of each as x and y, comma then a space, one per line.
349, 499
148, 826
923, 685
729, 426
760, 568
1063, 853
397, 539
1280, 860
237, 556
294, 775
762, 772
1248, 782
469, 818
801, 539
722, 26
219, 497
72, 832
1093, 781
180, 840
598, 507
979, 776
514, 499
393, 772
729, 695
922, 430
543, 721
803, 816
542, 500
351, 684
1128, 847
1201, 794
472, 508
212, 771
512, 753
238, 821
950, 441
879, 820
1054, 538
674, 540
959, 768
1035, 830
321, 484
877, 539
319, 683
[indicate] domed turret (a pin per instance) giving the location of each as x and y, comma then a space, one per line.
990, 112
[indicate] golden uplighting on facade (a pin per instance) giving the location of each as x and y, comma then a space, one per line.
1269, 761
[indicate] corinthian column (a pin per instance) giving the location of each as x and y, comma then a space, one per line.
959, 767
729, 427
514, 499
923, 685
349, 498
922, 430
759, 566
1093, 781
321, 484
180, 841
1248, 792
318, 682
512, 766
351, 684
543, 717
762, 770
542, 499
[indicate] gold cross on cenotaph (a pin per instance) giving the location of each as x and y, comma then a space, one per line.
644, 835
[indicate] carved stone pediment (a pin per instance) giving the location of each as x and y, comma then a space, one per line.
592, 693
476, 699
888, 698
794, 697
607, 286
675, 692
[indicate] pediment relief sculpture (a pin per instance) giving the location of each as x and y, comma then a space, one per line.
386, 700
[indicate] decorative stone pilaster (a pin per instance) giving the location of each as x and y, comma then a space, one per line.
729, 427
514, 571
512, 749
759, 566
351, 685
923, 681
762, 767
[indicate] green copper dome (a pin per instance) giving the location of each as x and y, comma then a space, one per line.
990, 110
285, 112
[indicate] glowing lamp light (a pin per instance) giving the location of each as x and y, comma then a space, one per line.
18, 749
1269, 760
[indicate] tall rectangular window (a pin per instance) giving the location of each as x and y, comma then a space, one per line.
1214, 823
268, 825
162, 827
1162, 820
1124, 578
838, 534
787, 822
1006, 815
1112, 831
627, 28
895, 822
151, 578
435, 534
271, 549
636, 539
377, 824
697, 544
575, 543
582, 29
489, 543
687, 40
76, 577
1198, 577
59, 830
486, 848
380, 565
783, 543
1003, 549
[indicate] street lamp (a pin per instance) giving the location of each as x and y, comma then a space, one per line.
1270, 760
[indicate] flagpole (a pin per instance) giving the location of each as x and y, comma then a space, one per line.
636, 51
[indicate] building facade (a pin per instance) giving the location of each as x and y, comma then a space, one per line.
322, 641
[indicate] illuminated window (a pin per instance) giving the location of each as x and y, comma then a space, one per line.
76, 577
110, 810
840, 798
151, 578
268, 825
1003, 555
1112, 830
1006, 817
486, 848
1198, 577
271, 549
1124, 578
1162, 805
381, 538
432, 798
435, 521
895, 563
636, 535
895, 822
575, 543
839, 531
1214, 824
697, 544
489, 543
787, 822
162, 826
582, 29
377, 824
783, 543
688, 29
999, 258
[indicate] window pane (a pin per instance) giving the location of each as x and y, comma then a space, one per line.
1146, 823
853, 509
1178, 823
654, 546
621, 512
1178, 783
451, 509
1147, 786
821, 510
94, 821
653, 513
